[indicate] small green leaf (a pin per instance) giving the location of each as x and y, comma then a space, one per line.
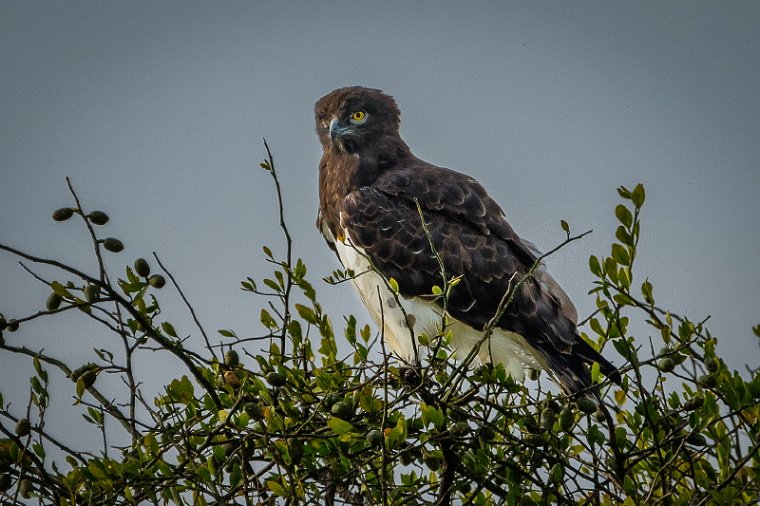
393, 284
594, 265
340, 426
638, 196
273, 485
267, 320
620, 254
646, 291
623, 215
596, 373
169, 329
61, 290
565, 226
624, 192
307, 314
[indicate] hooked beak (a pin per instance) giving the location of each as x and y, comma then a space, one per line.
336, 129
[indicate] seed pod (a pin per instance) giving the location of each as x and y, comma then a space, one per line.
63, 214
23, 427
142, 268
707, 381
666, 364
88, 378
711, 364
433, 462
566, 419
696, 439
546, 420
113, 245
231, 379
12, 325
53, 301
342, 410
586, 405
157, 281
275, 379
92, 292
231, 358
26, 488
375, 437
98, 217
694, 403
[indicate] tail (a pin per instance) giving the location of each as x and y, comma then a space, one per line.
573, 369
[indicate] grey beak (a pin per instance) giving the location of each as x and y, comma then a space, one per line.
336, 129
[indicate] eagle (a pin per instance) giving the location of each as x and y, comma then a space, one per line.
401, 226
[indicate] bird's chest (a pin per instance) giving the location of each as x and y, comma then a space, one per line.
399, 318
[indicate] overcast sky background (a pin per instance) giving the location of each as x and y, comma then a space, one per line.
157, 110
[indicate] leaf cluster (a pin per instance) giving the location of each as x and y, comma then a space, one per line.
284, 415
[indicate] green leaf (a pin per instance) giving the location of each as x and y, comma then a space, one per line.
594, 265
181, 390
393, 284
620, 254
275, 487
307, 314
169, 329
565, 226
646, 291
596, 373
61, 290
431, 415
267, 320
80, 387
638, 196
623, 215
340, 426
622, 235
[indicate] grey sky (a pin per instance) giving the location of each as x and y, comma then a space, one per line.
157, 110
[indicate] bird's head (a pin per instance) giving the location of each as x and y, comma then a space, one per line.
354, 119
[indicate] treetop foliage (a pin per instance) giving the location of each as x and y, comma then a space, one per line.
280, 415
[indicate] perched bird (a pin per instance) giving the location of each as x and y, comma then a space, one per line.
376, 199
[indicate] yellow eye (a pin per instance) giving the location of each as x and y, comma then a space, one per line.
358, 117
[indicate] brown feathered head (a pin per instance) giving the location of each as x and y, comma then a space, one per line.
354, 118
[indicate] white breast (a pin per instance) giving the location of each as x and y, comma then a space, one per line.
402, 320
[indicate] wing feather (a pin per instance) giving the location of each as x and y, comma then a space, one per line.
471, 235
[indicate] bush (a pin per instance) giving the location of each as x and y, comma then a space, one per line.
301, 422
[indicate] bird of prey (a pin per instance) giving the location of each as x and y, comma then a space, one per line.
376, 200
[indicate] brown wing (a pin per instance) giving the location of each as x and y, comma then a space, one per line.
474, 240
